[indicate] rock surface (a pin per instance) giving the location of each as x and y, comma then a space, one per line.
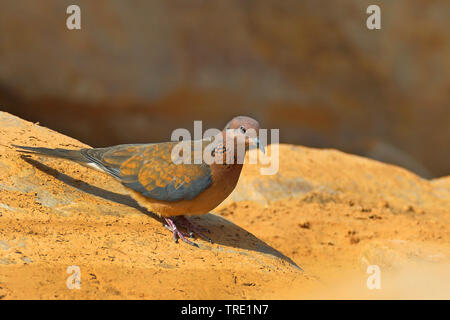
326, 211
56, 214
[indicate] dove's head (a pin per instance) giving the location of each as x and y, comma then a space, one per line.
245, 129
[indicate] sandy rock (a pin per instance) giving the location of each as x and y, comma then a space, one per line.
399, 254
56, 214
324, 210
408, 269
323, 175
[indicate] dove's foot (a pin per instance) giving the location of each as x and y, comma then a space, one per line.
177, 233
193, 229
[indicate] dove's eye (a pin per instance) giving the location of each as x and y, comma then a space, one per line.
242, 129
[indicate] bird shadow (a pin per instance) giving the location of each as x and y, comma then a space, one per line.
222, 231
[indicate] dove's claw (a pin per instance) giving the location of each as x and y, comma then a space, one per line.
177, 233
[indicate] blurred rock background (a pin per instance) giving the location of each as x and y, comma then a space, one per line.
139, 69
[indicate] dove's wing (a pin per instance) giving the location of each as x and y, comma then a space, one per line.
149, 170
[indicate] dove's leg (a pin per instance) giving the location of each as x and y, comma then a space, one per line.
192, 228
177, 233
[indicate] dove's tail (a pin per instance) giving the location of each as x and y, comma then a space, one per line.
90, 158
73, 155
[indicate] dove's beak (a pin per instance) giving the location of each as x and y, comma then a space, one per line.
258, 144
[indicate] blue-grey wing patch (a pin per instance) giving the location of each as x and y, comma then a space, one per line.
153, 173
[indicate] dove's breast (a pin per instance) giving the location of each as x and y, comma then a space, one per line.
224, 180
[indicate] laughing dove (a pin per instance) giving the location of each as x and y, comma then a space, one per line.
161, 183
